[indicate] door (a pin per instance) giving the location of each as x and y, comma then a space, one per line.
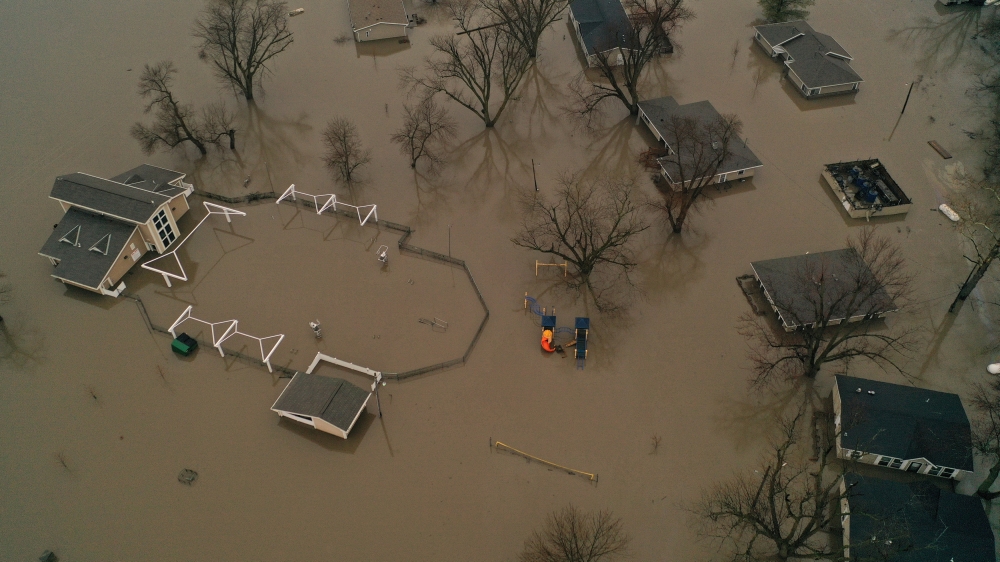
914, 467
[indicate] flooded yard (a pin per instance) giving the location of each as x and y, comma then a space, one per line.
84, 381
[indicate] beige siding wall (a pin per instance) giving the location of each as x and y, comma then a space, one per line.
380, 31
148, 235
179, 206
124, 261
836, 89
322, 425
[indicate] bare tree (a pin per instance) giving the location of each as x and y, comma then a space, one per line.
6, 291
426, 126
820, 299
778, 511
622, 54
986, 430
697, 149
479, 68
591, 224
526, 20
239, 38
175, 122
978, 203
786, 508
785, 10
344, 153
573, 536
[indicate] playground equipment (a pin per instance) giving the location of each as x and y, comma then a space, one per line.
229, 328
330, 200
499, 446
580, 332
540, 264
212, 209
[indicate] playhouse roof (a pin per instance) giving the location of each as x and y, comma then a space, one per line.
331, 399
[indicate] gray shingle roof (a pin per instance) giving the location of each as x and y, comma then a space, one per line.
904, 422
366, 13
333, 400
661, 110
786, 281
941, 526
810, 51
77, 262
106, 196
604, 24
151, 178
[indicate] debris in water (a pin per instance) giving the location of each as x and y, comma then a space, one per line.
296, 11
948, 212
187, 476
940, 150
48, 556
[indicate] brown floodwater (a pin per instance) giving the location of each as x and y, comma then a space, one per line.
419, 484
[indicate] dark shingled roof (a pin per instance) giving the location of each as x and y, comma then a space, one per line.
810, 51
333, 400
660, 110
106, 196
942, 526
151, 178
904, 422
604, 24
785, 280
77, 262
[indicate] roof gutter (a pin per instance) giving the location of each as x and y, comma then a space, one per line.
789, 39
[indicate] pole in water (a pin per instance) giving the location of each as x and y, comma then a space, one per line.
449, 240
535, 179
907, 97
232, 139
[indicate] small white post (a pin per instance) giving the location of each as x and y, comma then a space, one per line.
167, 280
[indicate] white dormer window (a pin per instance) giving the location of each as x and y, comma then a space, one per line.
72, 237
103, 245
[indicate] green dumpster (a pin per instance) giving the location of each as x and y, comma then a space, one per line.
184, 344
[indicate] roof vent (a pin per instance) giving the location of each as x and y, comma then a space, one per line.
872, 392
858, 391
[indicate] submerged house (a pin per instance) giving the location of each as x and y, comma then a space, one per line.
602, 28
915, 522
110, 223
372, 20
902, 427
815, 62
783, 281
327, 404
740, 163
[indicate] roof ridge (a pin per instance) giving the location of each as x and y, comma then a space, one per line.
128, 195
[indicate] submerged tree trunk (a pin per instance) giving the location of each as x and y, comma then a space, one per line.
977, 273
984, 488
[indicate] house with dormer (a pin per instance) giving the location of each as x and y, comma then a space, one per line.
110, 223
902, 428
814, 62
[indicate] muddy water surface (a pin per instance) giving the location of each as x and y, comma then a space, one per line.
421, 483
